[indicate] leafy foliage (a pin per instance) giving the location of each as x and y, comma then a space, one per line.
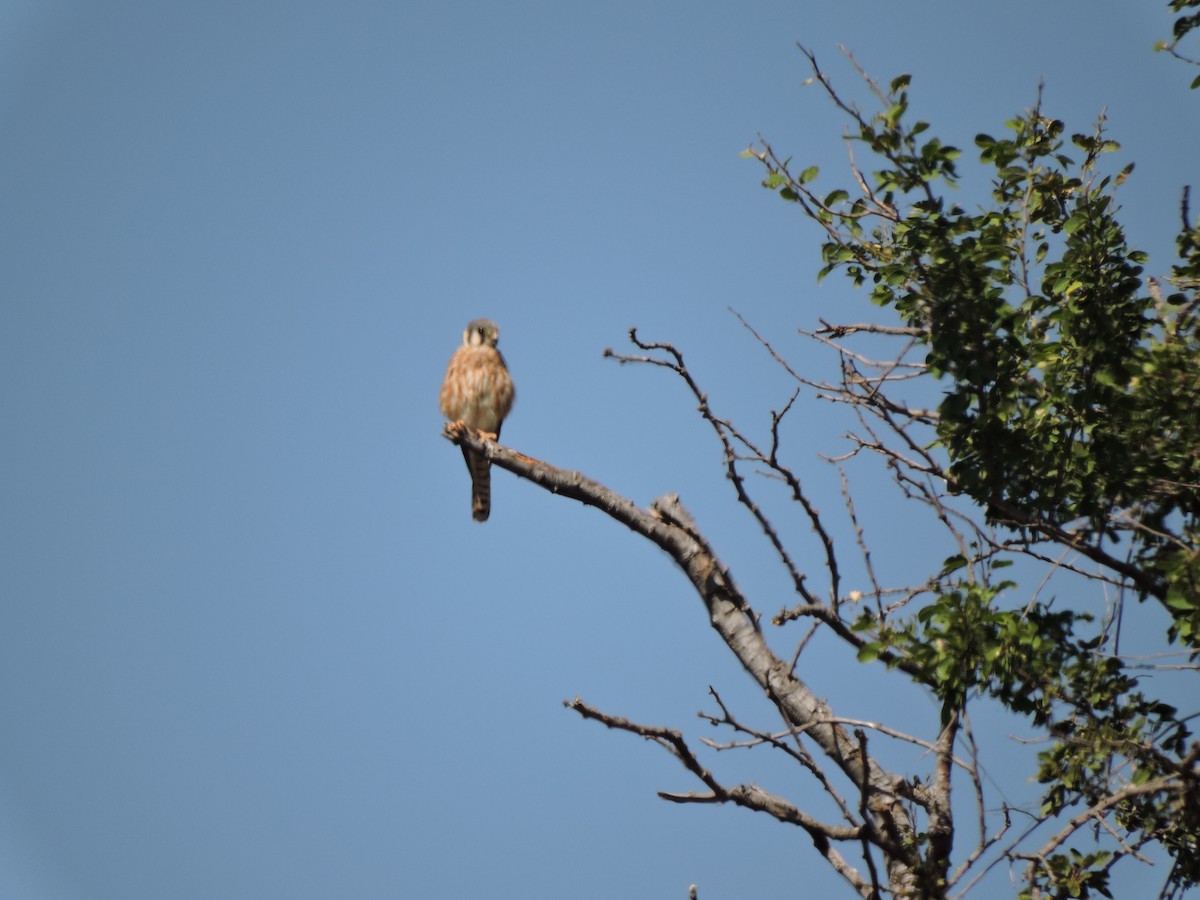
1070, 414
1180, 29
1072, 390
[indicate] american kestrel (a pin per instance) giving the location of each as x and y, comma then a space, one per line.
477, 390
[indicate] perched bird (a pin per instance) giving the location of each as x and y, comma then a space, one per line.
478, 391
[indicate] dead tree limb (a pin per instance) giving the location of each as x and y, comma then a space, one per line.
669, 526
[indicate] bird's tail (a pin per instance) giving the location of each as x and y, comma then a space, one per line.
481, 485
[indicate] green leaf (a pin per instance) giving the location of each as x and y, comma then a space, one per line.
953, 563
869, 652
1178, 599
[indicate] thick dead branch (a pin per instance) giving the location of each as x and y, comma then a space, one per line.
667, 525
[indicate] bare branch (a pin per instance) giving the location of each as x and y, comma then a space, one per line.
1096, 812
731, 616
789, 477
839, 331
725, 432
795, 750
859, 539
864, 801
746, 795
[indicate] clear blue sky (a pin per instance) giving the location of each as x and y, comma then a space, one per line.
252, 644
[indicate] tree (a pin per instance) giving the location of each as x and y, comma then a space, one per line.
1059, 440
1181, 28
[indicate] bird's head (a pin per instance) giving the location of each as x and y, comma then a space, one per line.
481, 333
